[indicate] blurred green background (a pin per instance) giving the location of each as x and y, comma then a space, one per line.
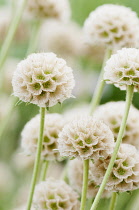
10, 140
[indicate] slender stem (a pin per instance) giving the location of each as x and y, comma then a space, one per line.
113, 201
85, 184
38, 156
44, 170
89, 203
129, 96
100, 84
34, 36
11, 32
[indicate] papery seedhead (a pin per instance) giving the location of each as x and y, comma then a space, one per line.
43, 79
112, 25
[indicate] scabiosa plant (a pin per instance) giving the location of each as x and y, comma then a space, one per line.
49, 8
86, 138
52, 194
114, 26
111, 114
75, 177
122, 69
52, 127
43, 79
128, 56
125, 173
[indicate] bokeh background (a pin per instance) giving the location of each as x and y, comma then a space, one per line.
20, 171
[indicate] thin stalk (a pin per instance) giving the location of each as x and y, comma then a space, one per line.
94, 103
11, 32
129, 96
113, 201
100, 84
85, 184
34, 36
44, 170
38, 156
64, 175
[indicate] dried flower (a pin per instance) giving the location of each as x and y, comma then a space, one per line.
113, 25
111, 114
43, 79
53, 194
49, 9
75, 175
29, 136
63, 39
122, 68
125, 172
87, 138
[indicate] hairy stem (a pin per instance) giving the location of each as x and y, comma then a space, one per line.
85, 184
113, 201
100, 84
129, 96
38, 156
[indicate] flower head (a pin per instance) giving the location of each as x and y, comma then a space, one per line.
49, 9
122, 68
113, 25
75, 175
111, 114
29, 136
43, 79
52, 194
125, 172
86, 138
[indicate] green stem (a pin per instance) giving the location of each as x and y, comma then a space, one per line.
44, 170
34, 36
100, 84
85, 184
129, 96
38, 156
113, 201
64, 175
11, 32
